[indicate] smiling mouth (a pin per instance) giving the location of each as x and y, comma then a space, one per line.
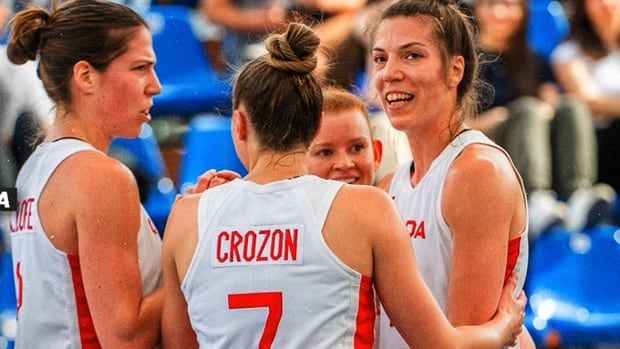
398, 98
348, 180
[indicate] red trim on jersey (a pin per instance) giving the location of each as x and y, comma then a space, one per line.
514, 250
365, 322
88, 336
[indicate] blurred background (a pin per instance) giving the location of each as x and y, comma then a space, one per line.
551, 99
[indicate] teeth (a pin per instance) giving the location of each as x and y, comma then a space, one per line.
392, 97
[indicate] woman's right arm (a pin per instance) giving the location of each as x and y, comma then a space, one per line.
107, 218
408, 301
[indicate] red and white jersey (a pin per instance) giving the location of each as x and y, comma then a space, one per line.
420, 207
52, 309
263, 276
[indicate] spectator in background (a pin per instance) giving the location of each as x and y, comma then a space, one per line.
549, 136
246, 22
587, 65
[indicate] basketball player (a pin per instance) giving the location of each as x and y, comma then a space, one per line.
281, 258
343, 148
461, 198
86, 256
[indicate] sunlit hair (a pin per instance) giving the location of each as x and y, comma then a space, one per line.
282, 96
95, 31
336, 100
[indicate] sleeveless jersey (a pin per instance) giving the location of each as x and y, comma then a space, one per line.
431, 238
263, 276
51, 302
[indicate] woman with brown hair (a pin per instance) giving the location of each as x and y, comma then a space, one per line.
86, 256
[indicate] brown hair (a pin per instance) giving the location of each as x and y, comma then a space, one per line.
96, 31
583, 32
455, 36
338, 100
280, 92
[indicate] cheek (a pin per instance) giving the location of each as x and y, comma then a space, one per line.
318, 166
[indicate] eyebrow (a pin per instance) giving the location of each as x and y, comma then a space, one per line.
401, 47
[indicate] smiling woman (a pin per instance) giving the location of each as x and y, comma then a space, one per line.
87, 266
466, 238
343, 148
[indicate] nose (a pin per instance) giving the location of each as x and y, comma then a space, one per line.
343, 162
392, 70
153, 86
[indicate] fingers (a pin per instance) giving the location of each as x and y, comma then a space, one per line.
228, 175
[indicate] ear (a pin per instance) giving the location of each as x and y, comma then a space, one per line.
457, 69
240, 125
377, 151
84, 77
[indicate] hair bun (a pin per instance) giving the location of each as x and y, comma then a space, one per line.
25, 36
294, 51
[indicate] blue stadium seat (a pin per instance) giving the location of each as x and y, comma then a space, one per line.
573, 285
208, 145
7, 301
143, 155
189, 84
548, 26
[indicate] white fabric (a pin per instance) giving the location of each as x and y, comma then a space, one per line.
320, 294
431, 238
48, 312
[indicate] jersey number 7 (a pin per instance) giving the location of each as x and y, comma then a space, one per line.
270, 300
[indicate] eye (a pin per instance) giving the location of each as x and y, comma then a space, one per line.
413, 55
357, 148
377, 59
323, 152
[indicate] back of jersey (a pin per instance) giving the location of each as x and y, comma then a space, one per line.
263, 276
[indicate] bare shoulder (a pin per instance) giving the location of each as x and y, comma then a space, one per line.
482, 165
183, 217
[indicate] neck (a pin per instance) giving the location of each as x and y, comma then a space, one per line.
425, 149
67, 124
270, 166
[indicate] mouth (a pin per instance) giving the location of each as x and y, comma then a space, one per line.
146, 112
348, 180
395, 99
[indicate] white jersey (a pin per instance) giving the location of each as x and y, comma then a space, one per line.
420, 207
263, 276
52, 311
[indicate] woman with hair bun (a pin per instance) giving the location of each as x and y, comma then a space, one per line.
284, 259
86, 256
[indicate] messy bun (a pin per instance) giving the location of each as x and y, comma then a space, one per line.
26, 28
293, 51
279, 91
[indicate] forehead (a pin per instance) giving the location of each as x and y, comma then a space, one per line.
397, 31
350, 122
139, 45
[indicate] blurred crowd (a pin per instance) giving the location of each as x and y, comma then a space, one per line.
556, 112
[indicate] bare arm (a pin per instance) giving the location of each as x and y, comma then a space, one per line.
576, 79
107, 218
480, 231
224, 13
400, 286
180, 240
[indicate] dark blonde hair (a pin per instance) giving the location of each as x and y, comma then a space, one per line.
337, 100
95, 31
280, 92
455, 36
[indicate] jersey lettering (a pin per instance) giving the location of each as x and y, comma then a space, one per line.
20, 220
20, 286
258, 245
416, 229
